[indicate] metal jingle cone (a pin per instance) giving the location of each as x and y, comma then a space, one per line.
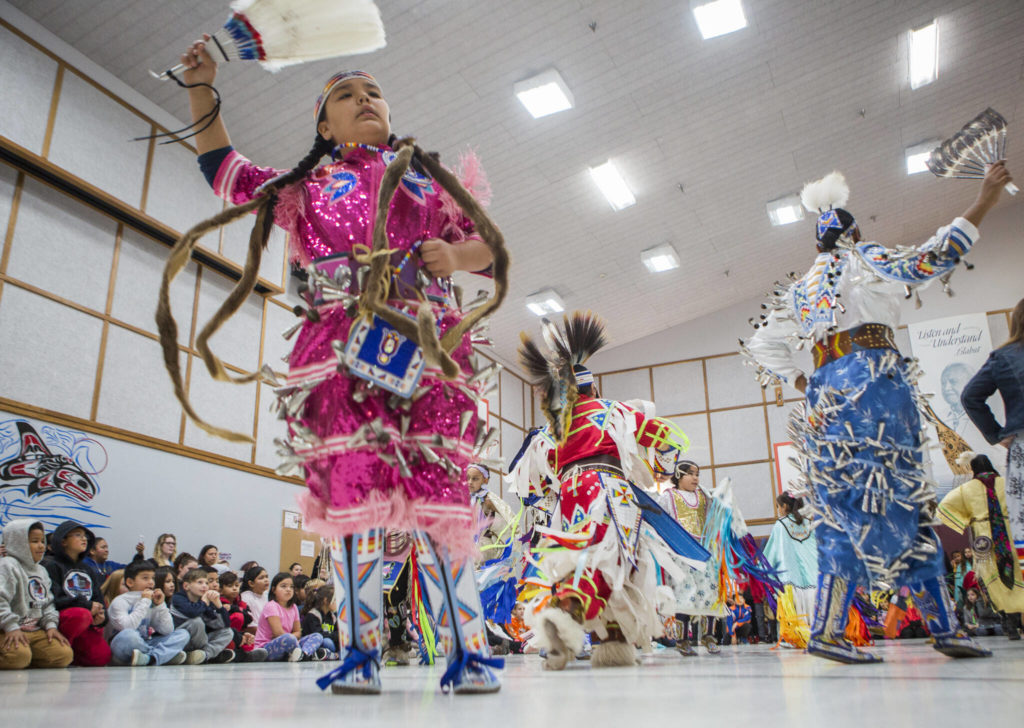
429, 455
288, 333
403, 467
464, 419
404, 422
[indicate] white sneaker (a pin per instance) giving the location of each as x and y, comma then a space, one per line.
139, 658
295, 655
196, 657
177, 659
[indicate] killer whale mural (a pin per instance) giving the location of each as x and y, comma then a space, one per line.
50, 474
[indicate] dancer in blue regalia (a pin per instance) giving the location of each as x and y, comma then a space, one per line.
859, 430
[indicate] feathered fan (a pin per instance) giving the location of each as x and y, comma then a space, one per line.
280, 33
966, 154
581, 335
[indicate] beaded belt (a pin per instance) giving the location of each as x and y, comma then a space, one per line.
865, 336
597, 461
408, 276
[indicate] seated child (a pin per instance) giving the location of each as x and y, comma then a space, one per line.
138, 612
738, 619
99, 552
77, 594
197, 609
113, 586
255, 590
240, 620
163, 579
279, 631
318, 617
28, 620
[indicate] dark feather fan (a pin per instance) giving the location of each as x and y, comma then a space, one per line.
967, 154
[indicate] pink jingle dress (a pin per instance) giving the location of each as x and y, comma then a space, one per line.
371, 458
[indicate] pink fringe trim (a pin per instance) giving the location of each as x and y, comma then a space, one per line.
290, 209
448, 525
471, 173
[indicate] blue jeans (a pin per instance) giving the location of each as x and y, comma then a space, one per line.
279, 647
159, 647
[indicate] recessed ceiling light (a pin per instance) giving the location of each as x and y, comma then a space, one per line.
719, 17
924, 55
544, 94
611, 184
918, 154
660, 258
544, 302
785, 210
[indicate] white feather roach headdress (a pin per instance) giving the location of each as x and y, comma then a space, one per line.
827, 193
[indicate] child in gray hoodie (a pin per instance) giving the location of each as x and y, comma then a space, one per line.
28, 619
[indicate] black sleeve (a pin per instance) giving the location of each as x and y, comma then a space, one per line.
310, 625
209, 162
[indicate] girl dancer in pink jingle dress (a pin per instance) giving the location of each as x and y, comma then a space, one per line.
387, 454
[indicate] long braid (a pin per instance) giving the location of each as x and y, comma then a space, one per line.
263, 204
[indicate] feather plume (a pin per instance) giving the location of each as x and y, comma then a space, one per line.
830, 191
584, 335
965, 458
537, 366
555, 340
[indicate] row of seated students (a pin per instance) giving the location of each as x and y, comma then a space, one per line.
66, 604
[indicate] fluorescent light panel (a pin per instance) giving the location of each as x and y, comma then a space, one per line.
660, 258
719, 18
917, 155
612, 185
785, 210
924, 55
544, 94
544, 302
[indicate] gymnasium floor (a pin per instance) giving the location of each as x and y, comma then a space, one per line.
748, 686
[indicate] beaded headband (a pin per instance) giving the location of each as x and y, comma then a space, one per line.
334, 81
482, 468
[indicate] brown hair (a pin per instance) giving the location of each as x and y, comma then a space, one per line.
158, 557
1016, 324
112, 586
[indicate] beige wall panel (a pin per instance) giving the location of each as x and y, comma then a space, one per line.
778, 422
27, 76
224, 405
627, 385
62, 246
696, 428
730, 383
238, 341
275, 345
140, 265
178, 193
679, 388
136, 393
269, 427
752, 489
8, 180
512, 398
739, 435
49, 354
272, 264
92, 139
511, 439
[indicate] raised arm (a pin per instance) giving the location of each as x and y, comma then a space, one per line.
203, 69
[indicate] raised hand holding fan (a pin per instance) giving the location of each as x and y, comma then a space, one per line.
280, 33
966, 154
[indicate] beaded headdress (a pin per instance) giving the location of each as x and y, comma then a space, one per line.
826, 198
334, 81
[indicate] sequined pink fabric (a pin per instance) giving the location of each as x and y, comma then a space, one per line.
351, 488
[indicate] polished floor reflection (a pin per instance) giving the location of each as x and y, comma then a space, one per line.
915, 686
